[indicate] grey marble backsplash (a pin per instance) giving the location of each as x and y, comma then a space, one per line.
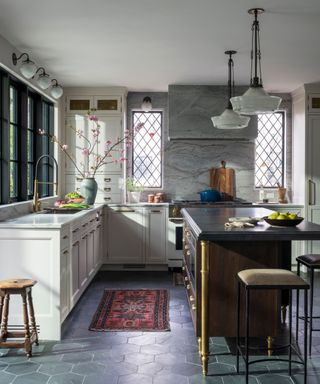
187, 162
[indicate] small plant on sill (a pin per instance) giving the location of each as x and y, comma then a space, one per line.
133, 186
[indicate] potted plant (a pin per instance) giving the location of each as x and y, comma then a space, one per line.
134, 190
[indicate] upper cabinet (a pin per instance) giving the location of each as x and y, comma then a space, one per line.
314, 103
191, 108
98, 105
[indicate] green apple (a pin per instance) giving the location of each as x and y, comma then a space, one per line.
292, 216
273, 215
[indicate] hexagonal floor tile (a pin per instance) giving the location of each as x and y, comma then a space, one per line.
6, 378
32, 378
150, 368
139, 358
66, 378
170, 379
186, 369
21, 368
77, 357
89, 368
135, 378
55, 368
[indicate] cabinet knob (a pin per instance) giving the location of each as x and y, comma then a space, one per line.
188, 253
193, 307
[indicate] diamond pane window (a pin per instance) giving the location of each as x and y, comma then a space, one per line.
269, 157
147, 149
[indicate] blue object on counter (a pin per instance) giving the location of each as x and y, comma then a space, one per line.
210, 195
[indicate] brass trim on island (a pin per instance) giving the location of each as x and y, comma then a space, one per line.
204, 341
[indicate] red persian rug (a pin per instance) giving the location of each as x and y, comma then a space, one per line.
132, 310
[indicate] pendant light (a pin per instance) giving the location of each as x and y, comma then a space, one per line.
255, 100
230, 119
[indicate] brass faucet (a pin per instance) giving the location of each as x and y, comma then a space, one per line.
36, 206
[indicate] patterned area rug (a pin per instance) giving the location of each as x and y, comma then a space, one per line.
132, 310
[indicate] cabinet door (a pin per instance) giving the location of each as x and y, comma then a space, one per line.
107, 105
64, 284
125, 236
156, 236
83, 262
74, 274
79, 104
313, 170
97, 248
90, 253
110, 130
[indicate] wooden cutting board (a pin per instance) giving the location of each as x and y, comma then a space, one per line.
223, 180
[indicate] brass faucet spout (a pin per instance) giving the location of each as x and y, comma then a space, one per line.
36, 202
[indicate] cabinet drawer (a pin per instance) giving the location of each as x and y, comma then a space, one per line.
108, 198
64, 240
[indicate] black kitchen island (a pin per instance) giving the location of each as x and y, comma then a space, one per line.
213, 255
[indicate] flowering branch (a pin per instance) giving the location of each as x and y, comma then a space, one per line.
89, 149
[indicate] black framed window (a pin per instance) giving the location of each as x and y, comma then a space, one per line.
270, 146
22, 113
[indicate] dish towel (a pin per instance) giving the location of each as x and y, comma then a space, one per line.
238, 224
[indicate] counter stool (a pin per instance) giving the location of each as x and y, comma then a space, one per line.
312, 262
17, 287
280, 279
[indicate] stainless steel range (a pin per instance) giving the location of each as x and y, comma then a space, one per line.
175, 225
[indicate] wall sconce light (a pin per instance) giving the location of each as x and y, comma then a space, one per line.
43, 80
56, 90
146, 105
27, 68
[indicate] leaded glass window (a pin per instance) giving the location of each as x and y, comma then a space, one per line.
269, 157
147, 149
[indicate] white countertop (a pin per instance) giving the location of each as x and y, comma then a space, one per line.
46, 220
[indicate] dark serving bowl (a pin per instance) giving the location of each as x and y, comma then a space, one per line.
283, 223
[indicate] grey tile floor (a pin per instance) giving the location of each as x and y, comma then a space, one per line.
86, 357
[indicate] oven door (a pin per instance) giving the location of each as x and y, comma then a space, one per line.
175, 244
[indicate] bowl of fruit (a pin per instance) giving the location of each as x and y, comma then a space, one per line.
283, 219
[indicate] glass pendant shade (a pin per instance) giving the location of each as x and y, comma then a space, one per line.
56, 90
146, 105
255, 100
230, 119
28, 69
44, 81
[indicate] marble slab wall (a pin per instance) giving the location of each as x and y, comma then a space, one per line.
187, 162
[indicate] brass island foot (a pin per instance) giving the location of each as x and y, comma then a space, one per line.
270, 344
204, 306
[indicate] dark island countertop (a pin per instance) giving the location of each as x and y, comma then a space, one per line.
208, 224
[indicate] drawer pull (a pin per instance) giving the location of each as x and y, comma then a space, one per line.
65, 252
99, 226
107, 198
65, 237
186, 278
188, 253
92, 220
79, 178
155, 211
107, 179
107, 189
75, 230
84, 237
92, 231
84, 225
74, 244
187, 246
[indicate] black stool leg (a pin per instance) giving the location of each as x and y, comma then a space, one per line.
290, 330
305, 334
298, 295
238, 326
247, 333
311, 309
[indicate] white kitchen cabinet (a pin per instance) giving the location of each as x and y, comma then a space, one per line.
64, 273
156, 235
136, 235
125, 231
306, 154
111, 128
74, 273
98, 105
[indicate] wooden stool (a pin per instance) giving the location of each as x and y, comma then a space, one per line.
312, 262
280, 279
17, 287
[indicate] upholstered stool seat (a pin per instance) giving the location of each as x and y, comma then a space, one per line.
18, 287
312, 262
264, 279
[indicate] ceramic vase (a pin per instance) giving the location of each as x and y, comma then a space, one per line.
88, 190
133, 197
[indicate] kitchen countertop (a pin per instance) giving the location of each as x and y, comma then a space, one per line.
46, 220
208, 224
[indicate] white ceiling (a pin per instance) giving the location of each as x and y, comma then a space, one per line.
146, 45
